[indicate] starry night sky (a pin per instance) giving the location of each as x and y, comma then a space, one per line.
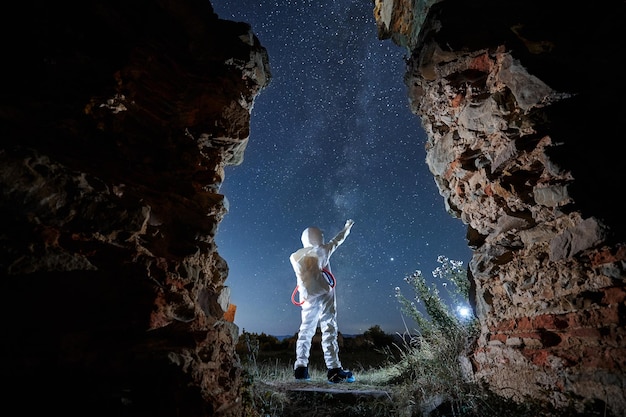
332, 138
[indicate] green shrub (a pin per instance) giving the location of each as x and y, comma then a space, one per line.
435, 356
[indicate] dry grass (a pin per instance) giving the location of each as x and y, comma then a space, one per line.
378, 392
274, 392
411, 382
421, 375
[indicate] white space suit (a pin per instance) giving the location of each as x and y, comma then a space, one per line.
318, 294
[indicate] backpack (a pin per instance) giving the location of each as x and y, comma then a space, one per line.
328, 281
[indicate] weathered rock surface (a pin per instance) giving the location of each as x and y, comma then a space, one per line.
117, 121
521, 103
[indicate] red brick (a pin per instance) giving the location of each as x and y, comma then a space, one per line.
481, 63
606, 256
524, 323
606, 316
584, 332
537, 357
527, 335
457, 100
614, 295
550, 322
497, 336
503, 326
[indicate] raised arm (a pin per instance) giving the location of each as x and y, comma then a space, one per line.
342, 235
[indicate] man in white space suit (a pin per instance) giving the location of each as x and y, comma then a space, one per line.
317, 299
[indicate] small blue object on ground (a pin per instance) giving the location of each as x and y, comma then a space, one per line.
337, 375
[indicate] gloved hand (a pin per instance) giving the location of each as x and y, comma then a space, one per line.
349, 223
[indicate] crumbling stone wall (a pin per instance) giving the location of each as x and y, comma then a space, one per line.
117, 121
515, 98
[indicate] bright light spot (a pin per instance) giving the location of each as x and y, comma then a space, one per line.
463, 311
392, 259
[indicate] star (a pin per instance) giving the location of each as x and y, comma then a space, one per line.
331, 138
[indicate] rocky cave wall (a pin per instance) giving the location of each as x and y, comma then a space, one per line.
117, 121
119, 117
521, 102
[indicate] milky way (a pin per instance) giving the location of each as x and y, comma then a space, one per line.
331, 138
